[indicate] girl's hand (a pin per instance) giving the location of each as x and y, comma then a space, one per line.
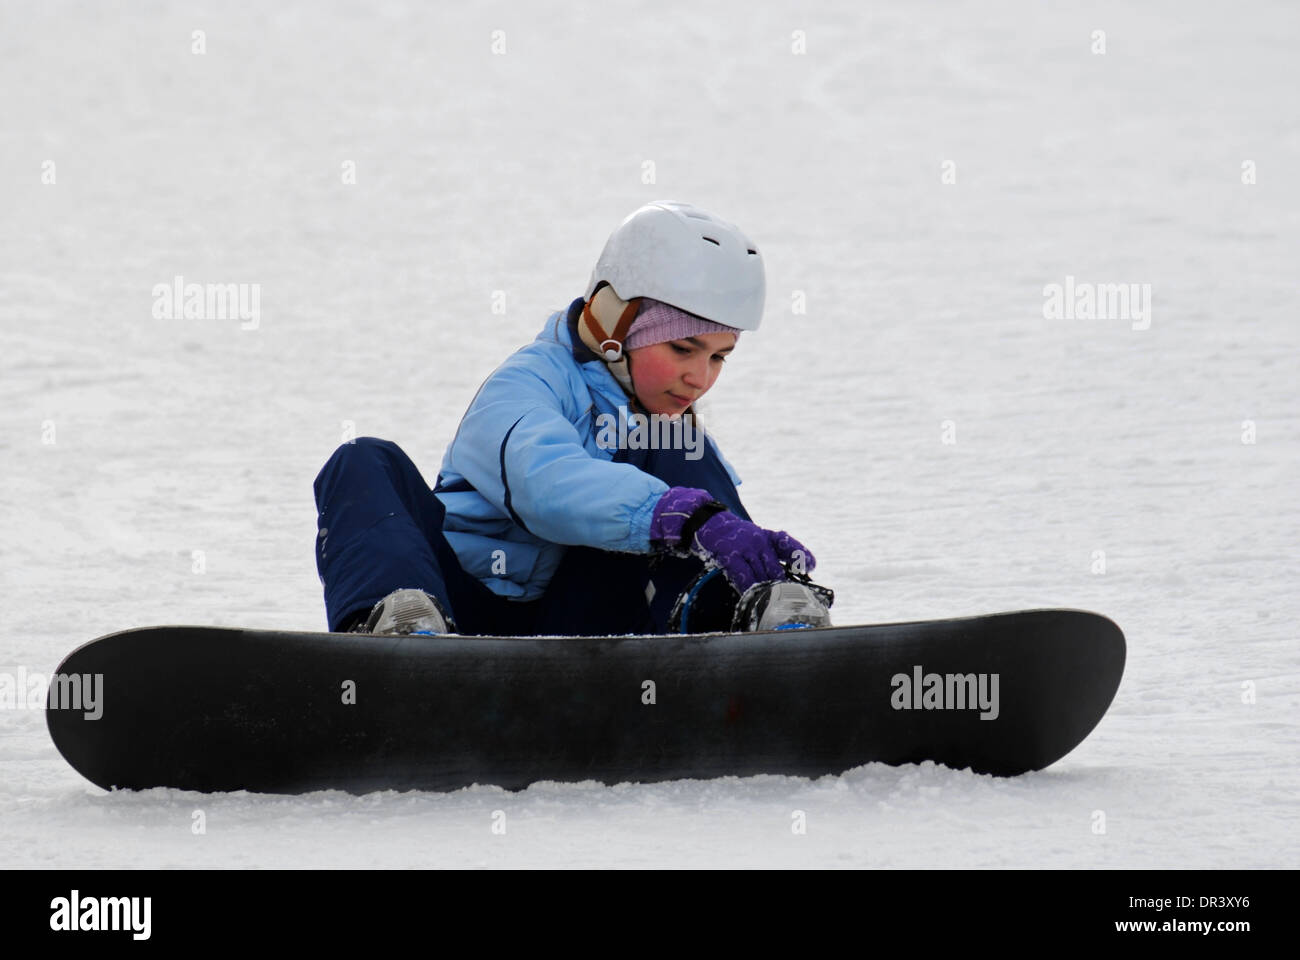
690, 520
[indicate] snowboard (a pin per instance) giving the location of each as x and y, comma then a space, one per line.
217, 709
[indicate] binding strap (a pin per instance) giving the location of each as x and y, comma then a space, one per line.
699, 518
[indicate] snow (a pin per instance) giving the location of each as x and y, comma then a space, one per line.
177, 487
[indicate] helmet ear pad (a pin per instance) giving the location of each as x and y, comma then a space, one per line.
605, 323
601, 315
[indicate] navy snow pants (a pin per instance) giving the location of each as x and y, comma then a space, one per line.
380, 530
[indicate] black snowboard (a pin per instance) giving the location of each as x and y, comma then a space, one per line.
207, 708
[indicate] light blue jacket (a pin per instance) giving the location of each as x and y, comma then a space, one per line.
524, 475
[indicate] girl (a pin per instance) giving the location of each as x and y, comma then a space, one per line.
579, 495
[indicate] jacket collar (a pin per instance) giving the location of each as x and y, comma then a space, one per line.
581, 352
564, 329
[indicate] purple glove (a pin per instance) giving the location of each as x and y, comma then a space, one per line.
688, 519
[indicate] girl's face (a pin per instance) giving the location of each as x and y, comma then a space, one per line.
672, 375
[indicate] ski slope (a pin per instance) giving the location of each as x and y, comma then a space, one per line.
915, 175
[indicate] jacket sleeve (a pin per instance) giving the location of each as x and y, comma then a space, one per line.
521, 452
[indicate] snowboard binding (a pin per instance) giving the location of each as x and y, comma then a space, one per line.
712, 605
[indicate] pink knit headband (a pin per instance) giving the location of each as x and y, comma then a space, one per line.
658, 322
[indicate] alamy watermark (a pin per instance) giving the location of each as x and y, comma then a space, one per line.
179, 300
656, 431
946, 691
1098, 301
77, 913
23, 690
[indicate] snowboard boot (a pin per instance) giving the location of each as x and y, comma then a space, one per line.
408, 611
794, 604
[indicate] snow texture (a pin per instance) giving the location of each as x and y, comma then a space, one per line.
159, 470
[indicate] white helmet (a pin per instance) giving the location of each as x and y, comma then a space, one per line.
680, 255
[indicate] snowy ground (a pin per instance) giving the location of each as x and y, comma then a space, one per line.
131, 442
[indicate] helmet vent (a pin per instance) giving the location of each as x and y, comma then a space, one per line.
712, 241
754, 252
